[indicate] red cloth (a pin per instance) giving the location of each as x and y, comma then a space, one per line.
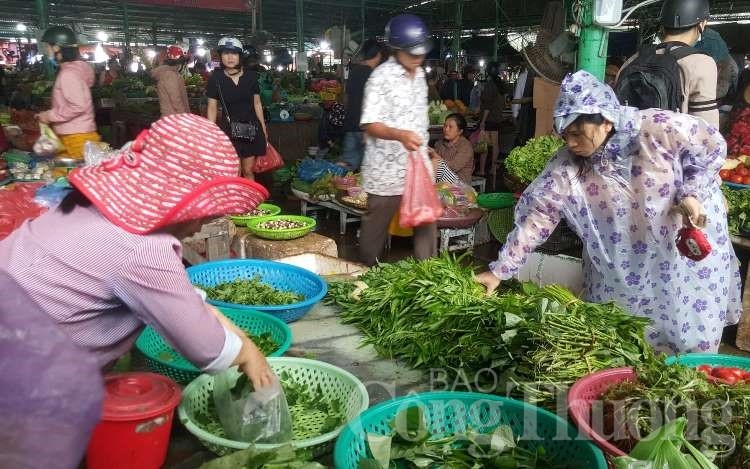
17, 205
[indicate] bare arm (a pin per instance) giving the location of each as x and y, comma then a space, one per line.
212, 110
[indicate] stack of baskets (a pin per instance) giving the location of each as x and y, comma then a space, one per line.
500, 216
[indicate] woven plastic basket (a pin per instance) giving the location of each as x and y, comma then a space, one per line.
278, 275
496, 200
163, 359
710, 359
452, 412
334, 383
500, 222
582, 396
242, 220
292, 233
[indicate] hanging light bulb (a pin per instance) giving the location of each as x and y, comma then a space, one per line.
102, 36
200, 51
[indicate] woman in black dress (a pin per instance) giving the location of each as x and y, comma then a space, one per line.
238, 89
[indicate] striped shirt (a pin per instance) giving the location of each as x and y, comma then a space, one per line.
101, 284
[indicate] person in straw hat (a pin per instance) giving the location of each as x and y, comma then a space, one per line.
81, 281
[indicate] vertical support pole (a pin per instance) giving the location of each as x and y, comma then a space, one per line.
592, 52
260, 14
457, 42
126, 31
497, 28
153, 34
362, 18
300, 38
42, 11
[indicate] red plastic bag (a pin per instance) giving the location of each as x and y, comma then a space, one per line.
420, 204
17, 205
271, 161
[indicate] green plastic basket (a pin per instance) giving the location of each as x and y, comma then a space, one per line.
334, 383
294, 233
711, 359
163, 359
500, 222
242, 220
496, 200
447, 413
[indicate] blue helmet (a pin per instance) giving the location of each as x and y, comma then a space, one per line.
408, 33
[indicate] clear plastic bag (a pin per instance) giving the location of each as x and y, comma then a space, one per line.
95, 152
48, 144
248, 415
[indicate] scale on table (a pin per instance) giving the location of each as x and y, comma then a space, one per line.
283, 113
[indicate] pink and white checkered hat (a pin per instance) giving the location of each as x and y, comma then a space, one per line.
184, 168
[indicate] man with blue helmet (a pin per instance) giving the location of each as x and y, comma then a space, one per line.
394, 119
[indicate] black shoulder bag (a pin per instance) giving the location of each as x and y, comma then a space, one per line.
238, 130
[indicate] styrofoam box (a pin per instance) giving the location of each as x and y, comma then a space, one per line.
323, 265
544, 269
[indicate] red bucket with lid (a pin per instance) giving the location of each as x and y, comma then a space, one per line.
136, 422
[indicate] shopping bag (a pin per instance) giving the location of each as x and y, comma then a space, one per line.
268, 162
420, 204
48, 144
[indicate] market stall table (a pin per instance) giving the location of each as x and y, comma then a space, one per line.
246, 245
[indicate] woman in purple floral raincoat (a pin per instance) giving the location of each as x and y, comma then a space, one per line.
626, 182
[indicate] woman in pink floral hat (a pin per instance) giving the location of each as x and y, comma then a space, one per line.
92, 272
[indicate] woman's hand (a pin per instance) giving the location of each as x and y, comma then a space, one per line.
42, 118
489, 280
433, 154
692, 212
253, 363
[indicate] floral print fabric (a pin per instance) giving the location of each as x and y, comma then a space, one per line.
620, 202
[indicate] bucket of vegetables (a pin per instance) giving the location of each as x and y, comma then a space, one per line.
284, 291
322, 398
281, 227
462, 429
618, 408
262, 210
272, 336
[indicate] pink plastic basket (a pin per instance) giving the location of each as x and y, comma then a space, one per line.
589, 389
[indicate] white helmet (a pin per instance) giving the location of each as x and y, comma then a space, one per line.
230, 44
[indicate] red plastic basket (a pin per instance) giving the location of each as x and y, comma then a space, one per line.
589, 389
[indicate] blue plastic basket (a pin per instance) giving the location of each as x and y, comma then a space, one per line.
278, 275
710, 359
452, 412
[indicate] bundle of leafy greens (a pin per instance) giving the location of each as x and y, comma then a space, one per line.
412, 445
432, 314
286, 457
739, 209
251, 291
527, 162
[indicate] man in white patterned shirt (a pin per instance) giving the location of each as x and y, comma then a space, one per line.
394, 118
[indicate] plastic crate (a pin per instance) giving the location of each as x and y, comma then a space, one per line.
452, 412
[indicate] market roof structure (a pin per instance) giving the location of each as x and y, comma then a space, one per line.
162, 21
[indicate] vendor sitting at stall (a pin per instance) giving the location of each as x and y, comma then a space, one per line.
102, 265
454, 148
72, 113
621, 183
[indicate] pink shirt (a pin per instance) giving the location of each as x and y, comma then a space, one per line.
101, 284
72, 106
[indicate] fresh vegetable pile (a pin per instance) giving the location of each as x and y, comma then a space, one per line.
281, 225
437, 111
717, 411
433, 315
285, 457
527, 162
725, 374
251, 292
265, 343
738, 140
739, 209
313, 414
736, 170
258, 212
411, 445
